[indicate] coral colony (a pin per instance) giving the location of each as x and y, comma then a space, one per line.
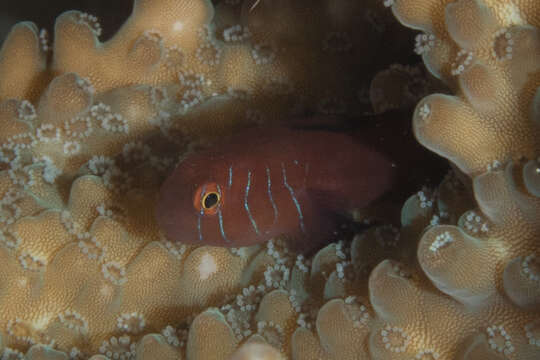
90, 129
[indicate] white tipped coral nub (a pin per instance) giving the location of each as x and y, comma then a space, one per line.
72, 148
239, 320
99, 165
25, 331
50, 171
44, 40
190, 98
463, 60
240, 252
532, 332
11, 195
294, 301
236, 33
90, 20
31, 262
399, 270
250, 298
174, 57
530, 266
100, 111
136, 152
132, 323
191, 79
437, 218
425, 201
12, 354
277, 249
115, 212
340, 251
158, 96
305, 321
78, 127
115, 123
73, 320
341, 268
502, 45
47, 133
276, 276
424, 43
9, 153
120, 348
26, 111
9, 238
302, 264
441, 241
75, 354
153, 35
85, 85
357, 312
395, 339
114, 272
91, 248
209, 53
23, 177
494, 166
20, 331
424, 111
176, 337
273, 333
475, 223
175, 248
170, 335
499, 340
19, 141
9, 211
427, 354
67, 220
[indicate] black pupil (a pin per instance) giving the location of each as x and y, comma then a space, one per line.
210, 200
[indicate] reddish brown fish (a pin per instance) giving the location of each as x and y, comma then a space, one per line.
260, 185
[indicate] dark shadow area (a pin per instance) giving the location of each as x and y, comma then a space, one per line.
111, 14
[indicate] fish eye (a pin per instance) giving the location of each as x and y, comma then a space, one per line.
210, 200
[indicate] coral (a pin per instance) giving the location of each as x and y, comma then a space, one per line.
485, 51
90, 129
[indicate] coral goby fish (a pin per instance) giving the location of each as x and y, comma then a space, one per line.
262, 184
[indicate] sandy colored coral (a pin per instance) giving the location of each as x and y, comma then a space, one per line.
90, 129
488, 52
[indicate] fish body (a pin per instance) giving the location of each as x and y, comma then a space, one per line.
262, 184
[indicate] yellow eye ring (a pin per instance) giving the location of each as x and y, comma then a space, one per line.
210, 200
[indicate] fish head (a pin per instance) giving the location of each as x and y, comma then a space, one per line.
192, 200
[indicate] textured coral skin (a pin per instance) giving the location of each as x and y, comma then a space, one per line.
90, 129
264, 194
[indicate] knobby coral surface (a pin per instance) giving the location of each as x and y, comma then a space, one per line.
89, 130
